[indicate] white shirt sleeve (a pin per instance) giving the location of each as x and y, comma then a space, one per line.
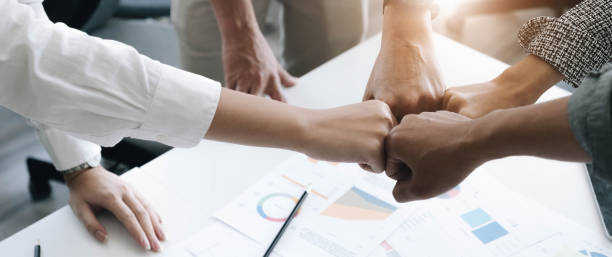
98, 90
66, 151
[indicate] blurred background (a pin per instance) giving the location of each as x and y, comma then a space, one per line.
29, 191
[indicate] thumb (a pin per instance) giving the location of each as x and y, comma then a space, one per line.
86, 215
286, 79
402, 191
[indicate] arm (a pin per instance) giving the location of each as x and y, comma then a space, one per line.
432, 152
577, 43
353, 133
569, 47
521, 84
248, 61
406, 75
103, 91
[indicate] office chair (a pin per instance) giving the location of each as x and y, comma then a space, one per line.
152, 38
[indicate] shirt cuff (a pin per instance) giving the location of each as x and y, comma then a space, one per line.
182, 108
67, 151
590, 119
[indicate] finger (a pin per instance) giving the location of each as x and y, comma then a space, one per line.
366, 167
87, 216
242, 87
286, 79
454, 116
144, 218
230, 83
276, 94
262, 84
155, 217
402, 192
125, 215
367, 96
378, 164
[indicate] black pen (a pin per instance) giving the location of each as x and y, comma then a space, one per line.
37, 249
289, 218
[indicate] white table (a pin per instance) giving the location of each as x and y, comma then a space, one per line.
188, 185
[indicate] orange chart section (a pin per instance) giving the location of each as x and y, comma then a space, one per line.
345, 212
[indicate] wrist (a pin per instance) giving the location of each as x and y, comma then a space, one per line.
307, 129
529, 79
492, 135
68, 178
407, 25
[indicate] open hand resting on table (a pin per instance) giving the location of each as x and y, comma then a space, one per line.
97, 188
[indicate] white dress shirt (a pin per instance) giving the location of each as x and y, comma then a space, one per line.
98, 90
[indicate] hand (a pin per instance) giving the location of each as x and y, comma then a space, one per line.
353, 133
477, 100
430, 153
98, 188
250, 67
405, 74
404, 78
521, 84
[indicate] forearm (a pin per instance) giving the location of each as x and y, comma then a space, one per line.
250, 120
541, 130
529, 78
236, 19
406, 25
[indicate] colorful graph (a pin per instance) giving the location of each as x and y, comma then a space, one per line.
592, 254
276, 207
357, 204
451, 193
484, 227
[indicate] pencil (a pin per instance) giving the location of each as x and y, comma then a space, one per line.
287, 221
37, 249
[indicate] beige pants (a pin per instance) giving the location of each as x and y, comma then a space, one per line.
313, 31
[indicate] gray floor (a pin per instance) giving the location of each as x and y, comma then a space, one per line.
494, 35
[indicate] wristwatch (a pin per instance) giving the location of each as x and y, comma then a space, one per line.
80, 167
417, 4
88, 164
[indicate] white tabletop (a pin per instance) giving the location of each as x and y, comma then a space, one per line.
188, 185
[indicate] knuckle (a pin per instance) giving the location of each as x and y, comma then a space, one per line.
129, 216
141, 212
109, 197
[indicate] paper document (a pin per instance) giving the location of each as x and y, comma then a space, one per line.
481, 217
347, 214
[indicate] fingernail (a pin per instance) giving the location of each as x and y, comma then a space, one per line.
162, 236
145, 244
101, 236
156, 246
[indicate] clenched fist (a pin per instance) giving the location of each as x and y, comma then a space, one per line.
428, 154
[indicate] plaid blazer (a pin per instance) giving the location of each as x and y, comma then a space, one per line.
577, 43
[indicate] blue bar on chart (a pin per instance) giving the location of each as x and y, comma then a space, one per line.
490, 232
476, 218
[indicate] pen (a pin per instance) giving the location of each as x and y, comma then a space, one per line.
289, 218
37, 249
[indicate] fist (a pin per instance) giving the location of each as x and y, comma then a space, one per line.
430, 153
354, 133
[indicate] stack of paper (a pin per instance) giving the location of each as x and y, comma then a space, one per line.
351, 213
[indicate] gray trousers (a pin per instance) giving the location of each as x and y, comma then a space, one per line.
312, 31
